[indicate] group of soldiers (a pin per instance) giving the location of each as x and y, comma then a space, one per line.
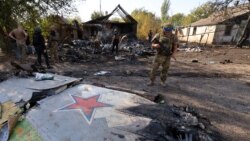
21, 38
165, 44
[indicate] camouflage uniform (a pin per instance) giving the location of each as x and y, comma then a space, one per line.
53, 44
163, 57
22, 51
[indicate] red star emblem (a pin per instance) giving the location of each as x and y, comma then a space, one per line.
86, 106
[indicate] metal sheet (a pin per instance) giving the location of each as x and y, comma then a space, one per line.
15, 89
87, 113
14, 93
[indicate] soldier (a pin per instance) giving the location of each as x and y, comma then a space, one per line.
150, 34
20, 36
166, 46
115, 42
39, 44
53, 44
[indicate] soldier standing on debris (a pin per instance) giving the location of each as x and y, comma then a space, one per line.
166, 46
20, 36
115, 42
39, 44
150, 34
53, 45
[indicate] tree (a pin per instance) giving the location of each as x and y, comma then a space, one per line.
188, 20
204, 10
96, 15
177, 19
200, 12
116, 19
77, 18
13, 12
146, 21
164, 10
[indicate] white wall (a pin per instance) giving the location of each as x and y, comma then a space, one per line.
204, 34
214, 34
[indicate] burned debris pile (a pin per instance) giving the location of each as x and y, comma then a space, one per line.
80, 51
4, 76
173, 123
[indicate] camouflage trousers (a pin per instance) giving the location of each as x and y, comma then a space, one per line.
160, 60
21, 52
54, 52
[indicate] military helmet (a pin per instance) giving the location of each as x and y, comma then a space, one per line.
167, 27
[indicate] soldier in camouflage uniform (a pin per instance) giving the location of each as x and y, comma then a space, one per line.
53, 44
166, 46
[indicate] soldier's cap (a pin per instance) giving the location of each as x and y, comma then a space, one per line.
168, 27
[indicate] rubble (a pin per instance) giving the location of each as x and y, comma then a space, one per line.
227, 61
119, 58
102, 73
193, 49
195, 61
184, 47
179, 123
80, 43
81, 51
10, 114
211, 62
5, 75
41, 76
248, 83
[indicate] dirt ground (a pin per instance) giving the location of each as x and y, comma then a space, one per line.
218, 89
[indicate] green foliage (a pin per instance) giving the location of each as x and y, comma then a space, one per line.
29, 12
47, 22
188, 20
146, 21
77, 18
116, 19
96, 15
164, 10
177, 19
203, 11
200, 12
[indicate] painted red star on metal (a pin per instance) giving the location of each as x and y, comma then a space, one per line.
87, 106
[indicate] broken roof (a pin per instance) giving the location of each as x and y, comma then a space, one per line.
223, 16
122, 13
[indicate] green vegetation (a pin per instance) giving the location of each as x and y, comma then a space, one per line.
29, 13
146, 21
96, 15
164, 10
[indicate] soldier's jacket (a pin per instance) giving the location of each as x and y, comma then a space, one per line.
166, 44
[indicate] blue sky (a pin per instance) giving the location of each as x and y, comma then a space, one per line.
87, 7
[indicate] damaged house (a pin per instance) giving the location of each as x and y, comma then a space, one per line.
67, 31
118, 19
223, 27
